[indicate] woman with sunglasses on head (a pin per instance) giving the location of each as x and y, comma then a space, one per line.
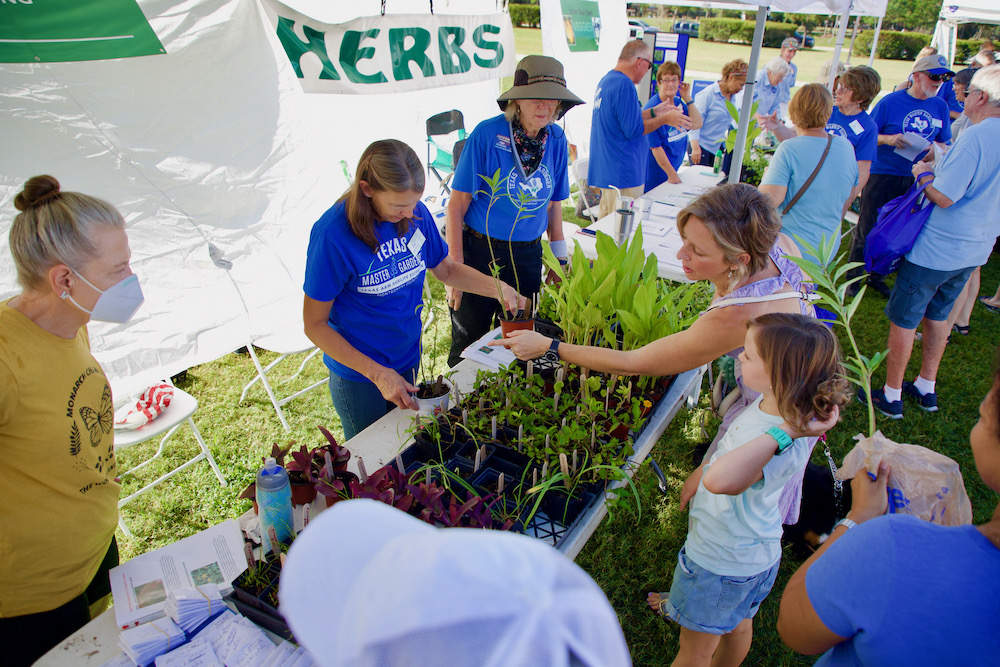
60, 494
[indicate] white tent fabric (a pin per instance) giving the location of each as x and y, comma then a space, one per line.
219, 163
955, 13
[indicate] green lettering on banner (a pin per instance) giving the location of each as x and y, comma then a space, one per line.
417, 53
295, 48
351, 52
450, 40
70, 30
479, 39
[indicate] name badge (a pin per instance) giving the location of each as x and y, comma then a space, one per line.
856, 126
936, 122
503, 143
416, 243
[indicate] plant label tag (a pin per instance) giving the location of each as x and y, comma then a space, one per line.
856, 126
416, 243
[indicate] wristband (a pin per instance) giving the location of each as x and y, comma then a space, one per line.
652, 114
559, 249
784, 440
847, 523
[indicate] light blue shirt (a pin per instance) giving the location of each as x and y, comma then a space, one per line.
963, 234
739, 536
768, 97
716, 120
817, 214
786, 85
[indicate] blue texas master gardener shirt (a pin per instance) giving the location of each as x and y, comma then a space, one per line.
900, 112
376, 295
490, 147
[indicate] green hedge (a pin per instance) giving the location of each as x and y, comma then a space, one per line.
735, 30
905, 46
526, 16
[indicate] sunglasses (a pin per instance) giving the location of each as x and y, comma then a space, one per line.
939, 77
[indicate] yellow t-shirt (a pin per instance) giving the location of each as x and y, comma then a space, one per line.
58, 494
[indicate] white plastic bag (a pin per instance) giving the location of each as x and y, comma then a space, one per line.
922, 482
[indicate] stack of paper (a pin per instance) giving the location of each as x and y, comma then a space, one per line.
149, 640
190, 607
197, 653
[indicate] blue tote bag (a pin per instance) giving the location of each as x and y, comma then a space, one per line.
899, 223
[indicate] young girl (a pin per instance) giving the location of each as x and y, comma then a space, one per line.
730, 558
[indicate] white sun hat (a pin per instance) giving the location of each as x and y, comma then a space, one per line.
368, 585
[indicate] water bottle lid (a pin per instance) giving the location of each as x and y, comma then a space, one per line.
270, 466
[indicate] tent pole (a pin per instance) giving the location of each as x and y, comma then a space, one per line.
841, 33
878, 29
854, 36
743, 126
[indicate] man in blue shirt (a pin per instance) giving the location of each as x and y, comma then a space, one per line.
957, 237
617, 142
789, 47
905, 117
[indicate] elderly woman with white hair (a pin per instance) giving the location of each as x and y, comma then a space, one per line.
530, 153
767, 90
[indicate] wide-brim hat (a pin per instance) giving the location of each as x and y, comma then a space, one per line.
932, 65
540, 78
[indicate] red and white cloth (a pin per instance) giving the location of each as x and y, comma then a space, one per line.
150, 405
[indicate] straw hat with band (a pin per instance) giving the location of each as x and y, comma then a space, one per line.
540, 78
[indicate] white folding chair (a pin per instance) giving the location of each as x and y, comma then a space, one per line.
285, 344
182, 406
579, 172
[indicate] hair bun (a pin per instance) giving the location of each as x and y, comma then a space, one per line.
37, 191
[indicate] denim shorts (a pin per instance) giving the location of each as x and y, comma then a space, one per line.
920, 293
714, 604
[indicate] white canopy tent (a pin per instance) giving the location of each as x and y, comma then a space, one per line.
584, 70
218, 161
955, 13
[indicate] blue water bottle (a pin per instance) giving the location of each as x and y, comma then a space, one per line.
274, 502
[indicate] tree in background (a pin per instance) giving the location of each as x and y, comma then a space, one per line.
912, 14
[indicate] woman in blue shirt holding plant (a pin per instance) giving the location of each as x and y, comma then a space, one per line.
365, 269
527, 155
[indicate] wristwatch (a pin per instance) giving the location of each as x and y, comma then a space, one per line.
552, 354
845, 522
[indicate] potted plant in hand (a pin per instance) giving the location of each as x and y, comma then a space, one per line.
431, 397
522, 319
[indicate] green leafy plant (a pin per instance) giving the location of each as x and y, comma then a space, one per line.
753, 131
495, 194
831, 285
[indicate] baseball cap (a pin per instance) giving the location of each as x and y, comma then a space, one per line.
366, 584
932, 65
790, 43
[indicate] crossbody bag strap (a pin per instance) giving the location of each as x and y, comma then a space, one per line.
802, 190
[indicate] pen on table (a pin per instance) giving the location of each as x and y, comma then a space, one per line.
589, 232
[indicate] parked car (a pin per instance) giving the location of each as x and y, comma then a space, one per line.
637, 28
689, 28
805, 40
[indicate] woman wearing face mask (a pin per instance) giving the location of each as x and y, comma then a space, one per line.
60, 495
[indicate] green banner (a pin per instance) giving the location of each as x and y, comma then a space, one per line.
582, 21
36, 31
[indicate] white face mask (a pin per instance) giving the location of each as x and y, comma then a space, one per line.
116, 304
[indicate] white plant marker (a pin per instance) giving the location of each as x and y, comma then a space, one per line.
564, 466
479, 459
362, 473
531, 368
574, 461
500, 484
399, 463
493, 427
